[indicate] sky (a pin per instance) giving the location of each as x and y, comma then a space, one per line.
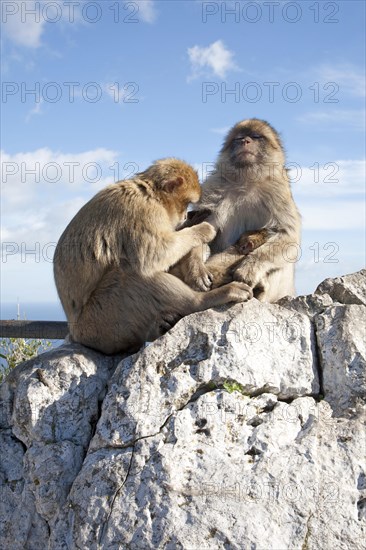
93, 92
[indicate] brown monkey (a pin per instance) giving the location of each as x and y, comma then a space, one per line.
110, 262
250, 190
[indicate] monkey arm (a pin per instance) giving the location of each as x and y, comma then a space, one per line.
170, 247
195, 217
281, 249
191, 268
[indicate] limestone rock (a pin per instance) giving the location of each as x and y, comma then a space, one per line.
226, 471
243, 427
258, 347
341, 338
49, 408
309, 305
350, 289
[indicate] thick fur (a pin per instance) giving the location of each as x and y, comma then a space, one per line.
223, 264
250, 190
110, 262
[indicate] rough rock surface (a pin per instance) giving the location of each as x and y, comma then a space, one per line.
243, 427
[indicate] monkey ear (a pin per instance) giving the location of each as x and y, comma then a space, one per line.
173, 184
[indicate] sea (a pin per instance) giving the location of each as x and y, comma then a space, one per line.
32, 311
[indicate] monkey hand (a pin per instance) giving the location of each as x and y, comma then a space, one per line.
195, 217
245, 246
238, 292
249, 273
168, 320
250, 240
204, 232
198, 277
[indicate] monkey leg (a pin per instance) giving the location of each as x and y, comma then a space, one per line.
179, 299
221, 266
125, 311
192, 269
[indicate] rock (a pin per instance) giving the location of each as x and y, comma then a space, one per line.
342, 351
20, 524
54, 397
49, 408
254, 346
350, 289
309, 305
226, 471
243, 427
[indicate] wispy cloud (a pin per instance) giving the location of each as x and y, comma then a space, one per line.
146, 10
215, 58
331, 196
24, 21
36, 179
37, 110
20, 28
42, 190
338, 179
333, 215
221, 131
349, 78
337, 119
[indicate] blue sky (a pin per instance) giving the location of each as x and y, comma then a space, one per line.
119, 84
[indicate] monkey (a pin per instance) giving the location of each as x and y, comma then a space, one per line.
248, 190
111, 262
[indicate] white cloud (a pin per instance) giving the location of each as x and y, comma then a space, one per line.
24, 21
333, 215
37, 110
43, 189
338, 179
128, 93
216, 58
331, 196
20, 26
146, 10
336, 119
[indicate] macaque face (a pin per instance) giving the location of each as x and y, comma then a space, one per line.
179, 215
178, 209
176, 185
247, 148
252, 142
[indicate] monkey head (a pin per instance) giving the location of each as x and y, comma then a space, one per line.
252, 142
176, 185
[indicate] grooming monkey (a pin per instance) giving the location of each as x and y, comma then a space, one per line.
110, 263
248, 191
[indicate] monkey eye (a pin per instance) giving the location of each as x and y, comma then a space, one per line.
252, 136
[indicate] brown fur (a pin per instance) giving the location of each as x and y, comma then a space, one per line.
110, 262
223, 264
248, 191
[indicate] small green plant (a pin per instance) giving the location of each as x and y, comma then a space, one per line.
231, 386
17, 350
